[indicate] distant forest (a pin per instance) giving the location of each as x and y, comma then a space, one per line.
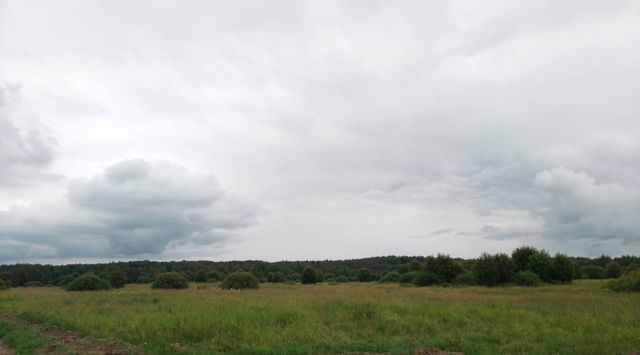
389, 268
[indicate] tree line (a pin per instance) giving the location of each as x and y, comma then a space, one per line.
525, 265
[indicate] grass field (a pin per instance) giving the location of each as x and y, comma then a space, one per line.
352, 317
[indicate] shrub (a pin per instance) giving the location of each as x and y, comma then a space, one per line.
88, 282
170, 280
215, 276
308, 276
493, 270
200, 276
4, 285
631, 267
391, 276
593, 272
426, 278
116, 279
613, 270
562, 269
144, 279
364, 275
443, 267
33, 284
627, 282
527, 278
409, 277
342, 278
65, 280
276, 277
466, 278
239, 280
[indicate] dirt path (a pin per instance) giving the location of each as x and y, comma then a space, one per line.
65, 342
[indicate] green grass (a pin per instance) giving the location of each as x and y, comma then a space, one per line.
354, 317
23, 340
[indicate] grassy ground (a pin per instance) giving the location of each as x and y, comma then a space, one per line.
22, 339
353, 317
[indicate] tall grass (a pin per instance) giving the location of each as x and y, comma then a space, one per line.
291, 319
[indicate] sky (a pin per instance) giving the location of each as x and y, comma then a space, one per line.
295, 130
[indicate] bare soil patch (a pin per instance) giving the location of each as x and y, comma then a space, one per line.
5, 350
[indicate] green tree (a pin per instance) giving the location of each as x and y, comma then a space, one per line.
201, 276
443, 267
308, 276
116, 278
562, 268
521, 257
276, 277
391, 276
493, 270
594, 272
540, 263
364, 275
613, 270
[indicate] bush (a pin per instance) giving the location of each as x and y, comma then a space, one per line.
466, 278
116, 279
65, 280
329, 277
527, 278
562, 269
144, 279
364, 275
239, 280
308, 276
276, 277
426, 278
443, 267
391, 276
88, 282
170, 280
4, 285
215, 276
613, 270
409, 277
628, 282
493, 270
593, 272
342, 278
33, 284
201, 276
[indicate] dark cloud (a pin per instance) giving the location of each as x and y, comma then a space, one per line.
134, 208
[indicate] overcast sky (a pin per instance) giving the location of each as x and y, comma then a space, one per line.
317, 129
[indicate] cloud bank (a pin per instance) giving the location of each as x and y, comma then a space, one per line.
380, 127
134, 208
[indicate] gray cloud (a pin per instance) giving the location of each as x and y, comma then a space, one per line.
23, 153
492, 124
134, 208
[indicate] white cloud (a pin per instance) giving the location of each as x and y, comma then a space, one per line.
388, 111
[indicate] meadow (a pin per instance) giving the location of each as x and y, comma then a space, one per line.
580, 318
